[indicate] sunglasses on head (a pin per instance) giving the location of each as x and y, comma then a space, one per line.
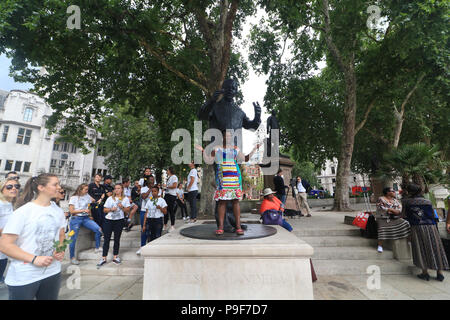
10, 186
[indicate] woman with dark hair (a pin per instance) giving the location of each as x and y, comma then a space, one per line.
9, 190
81, 217
115, 209
61, 195
156, 209
390, 225
29, 237
427, 249
171, 198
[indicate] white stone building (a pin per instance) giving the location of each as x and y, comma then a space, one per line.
327, 178
27, 148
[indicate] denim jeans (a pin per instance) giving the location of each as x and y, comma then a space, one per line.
3, 263
286, 225
143, 234
76, 223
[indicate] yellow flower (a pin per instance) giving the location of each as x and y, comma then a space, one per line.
71, 233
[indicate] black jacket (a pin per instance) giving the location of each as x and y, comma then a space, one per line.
280, 188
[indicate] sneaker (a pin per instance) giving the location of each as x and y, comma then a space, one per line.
117, 260
184, 218
172, 228
101, 262
74, 261
97, 250
380, 249
165, 228
138, 252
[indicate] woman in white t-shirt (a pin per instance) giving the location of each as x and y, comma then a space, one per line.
28, 238
9, 190
155, 209
171, 198
79, 208
115, 208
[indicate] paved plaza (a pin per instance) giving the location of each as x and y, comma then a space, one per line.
397, 282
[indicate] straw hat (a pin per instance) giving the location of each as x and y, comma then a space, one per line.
267, 191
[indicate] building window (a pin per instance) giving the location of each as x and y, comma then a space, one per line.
333, 180
395, 187
93, 172
65, 147
101, 150
333, 170
56, 146
5, 133
62, 163
18, 166
28, 115
71, 164
104, 172
26, 167
354, 179
319, 180
24, 136
8, 165
73, 149
53, 163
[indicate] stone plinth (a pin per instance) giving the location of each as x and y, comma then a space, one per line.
275, 267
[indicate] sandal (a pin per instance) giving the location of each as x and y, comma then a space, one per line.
240, 232
219, 232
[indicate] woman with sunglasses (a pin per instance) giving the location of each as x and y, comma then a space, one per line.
61, 196
9, 190
29, 237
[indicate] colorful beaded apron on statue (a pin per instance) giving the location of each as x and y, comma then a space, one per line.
228, 175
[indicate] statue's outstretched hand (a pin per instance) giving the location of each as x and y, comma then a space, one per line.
257, 107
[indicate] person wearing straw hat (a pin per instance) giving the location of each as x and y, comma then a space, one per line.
271, 202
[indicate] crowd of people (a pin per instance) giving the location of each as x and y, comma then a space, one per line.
32, 221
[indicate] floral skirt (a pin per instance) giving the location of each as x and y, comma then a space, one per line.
228, 194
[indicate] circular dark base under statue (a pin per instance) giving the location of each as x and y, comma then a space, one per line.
207, 232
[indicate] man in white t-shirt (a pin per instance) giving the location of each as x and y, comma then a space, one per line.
192, 189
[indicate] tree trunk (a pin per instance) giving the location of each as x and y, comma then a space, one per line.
341, 196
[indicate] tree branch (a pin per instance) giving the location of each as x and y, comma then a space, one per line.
226, 51
419, 80
329, 40
158, 56
366, 116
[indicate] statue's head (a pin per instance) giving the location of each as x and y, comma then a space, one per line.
230, 88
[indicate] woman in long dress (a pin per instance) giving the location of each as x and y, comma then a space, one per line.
427, 249
390, 225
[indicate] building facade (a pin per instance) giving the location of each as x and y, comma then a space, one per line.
27, 148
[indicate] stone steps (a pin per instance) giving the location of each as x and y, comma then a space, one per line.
126, 268
327, 232
350, 253
359, 267
125, 254
339, 241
